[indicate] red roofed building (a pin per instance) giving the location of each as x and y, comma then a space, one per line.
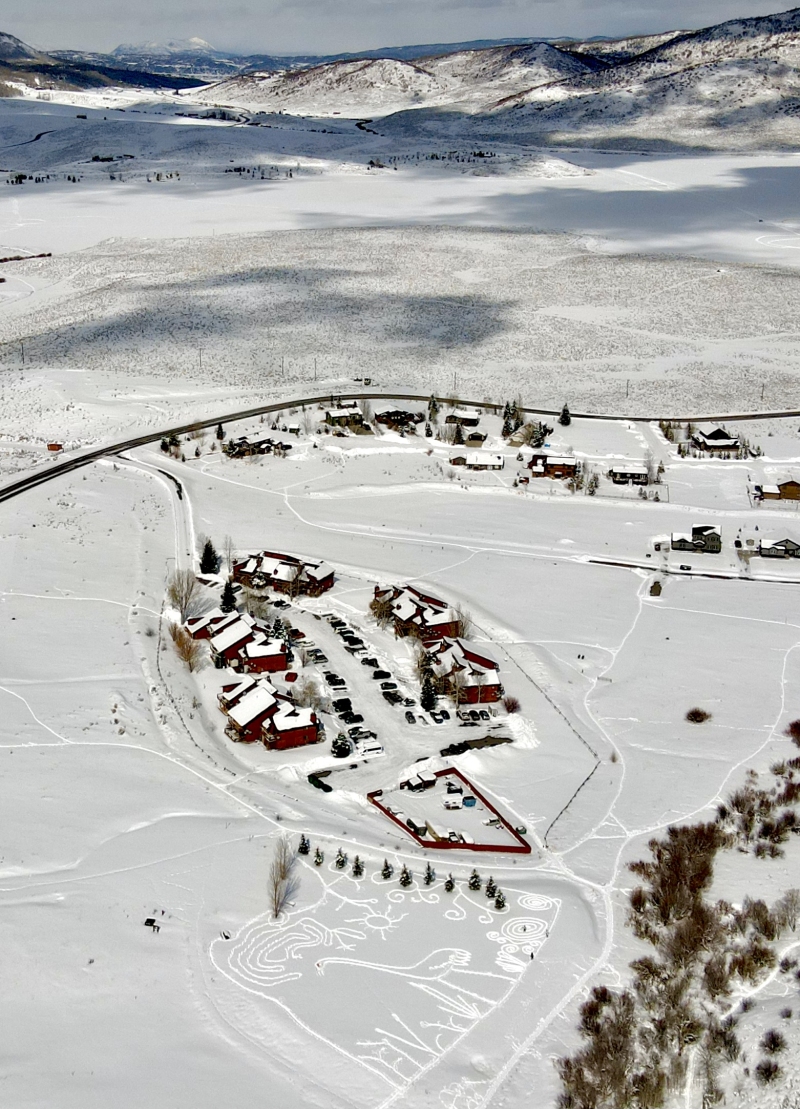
418, 614
284, 574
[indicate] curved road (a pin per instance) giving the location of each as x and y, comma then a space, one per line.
14, 488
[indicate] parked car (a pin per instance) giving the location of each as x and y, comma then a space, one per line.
474, 714
370, 662
370, 750
392, 696
351, 717
336, 622
409, 702
295, 633
281, 604
410, 718
388, 685
484, 715
445, 715
359, 733
379, 675
343, 704
436, 717
318, 656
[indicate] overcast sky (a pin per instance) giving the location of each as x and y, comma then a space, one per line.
331, 26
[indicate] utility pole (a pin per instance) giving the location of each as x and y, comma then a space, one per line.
315, 369
282, 370
200, 356
627, 387
22, 348
762, 390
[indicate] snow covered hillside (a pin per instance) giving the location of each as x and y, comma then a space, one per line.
473, 79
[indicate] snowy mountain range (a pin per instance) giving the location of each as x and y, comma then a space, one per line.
739, 79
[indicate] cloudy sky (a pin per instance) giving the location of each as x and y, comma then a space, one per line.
330, 26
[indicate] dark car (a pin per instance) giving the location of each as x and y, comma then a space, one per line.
436, 718
379, 675
370, 662
335, 622
392, 696
317, 656
352, 717
388, 685
445, 715
484, 715
281, 604
334, 679
409, 702
410, 718
474, 714
344, 704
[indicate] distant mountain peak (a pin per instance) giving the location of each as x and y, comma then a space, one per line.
165, 49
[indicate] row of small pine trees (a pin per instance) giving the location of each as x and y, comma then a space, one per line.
475, 882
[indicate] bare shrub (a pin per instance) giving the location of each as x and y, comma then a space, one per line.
307, 694
773, 1042
792, 730
381, 609
188, 650
464, 622
511, 704
787, 909
767, 1072
697, 716
257, 605
182, 591
281, 883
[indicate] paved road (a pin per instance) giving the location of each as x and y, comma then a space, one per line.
75, 462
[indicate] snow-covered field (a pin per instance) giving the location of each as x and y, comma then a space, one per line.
125, 800
648, 286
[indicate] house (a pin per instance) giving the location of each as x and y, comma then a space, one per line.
461, 667
629, 474
226, 644
267, 657
462, 417
284, 574
203, 627
716, 440
233, 691
779, 548
418, 614
398, 419
344, 418
290, 726
787, 490
248, 714
458, 460
480, 461
705, 538
475, 439
552, 465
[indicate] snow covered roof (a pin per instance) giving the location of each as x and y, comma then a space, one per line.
264, 650
774, 489
232, 691
318, 570
433, 618
290, 716
256, 703
629, 468
478, 458
231, 635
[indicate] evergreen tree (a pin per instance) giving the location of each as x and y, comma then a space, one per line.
319, 858
433, 408
165, 446
208, 559
341, 860
507, 411
430, 874
565, 419
428, 431
458, 438
228, 602
474, 882
277, 628
386, 869
500, 901
405, 877
450, 884
304, 846
427, 698
220, 432
358, 867
491, 888
507, 428
340, 748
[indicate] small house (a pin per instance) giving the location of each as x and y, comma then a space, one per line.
347, 417
480, 461
268, 657
628, 474
226, 644
786, 490
475, 439
247, 716
463, 418
716, 440
458, 460
779, 548
289, 727
552, 465
703, 539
